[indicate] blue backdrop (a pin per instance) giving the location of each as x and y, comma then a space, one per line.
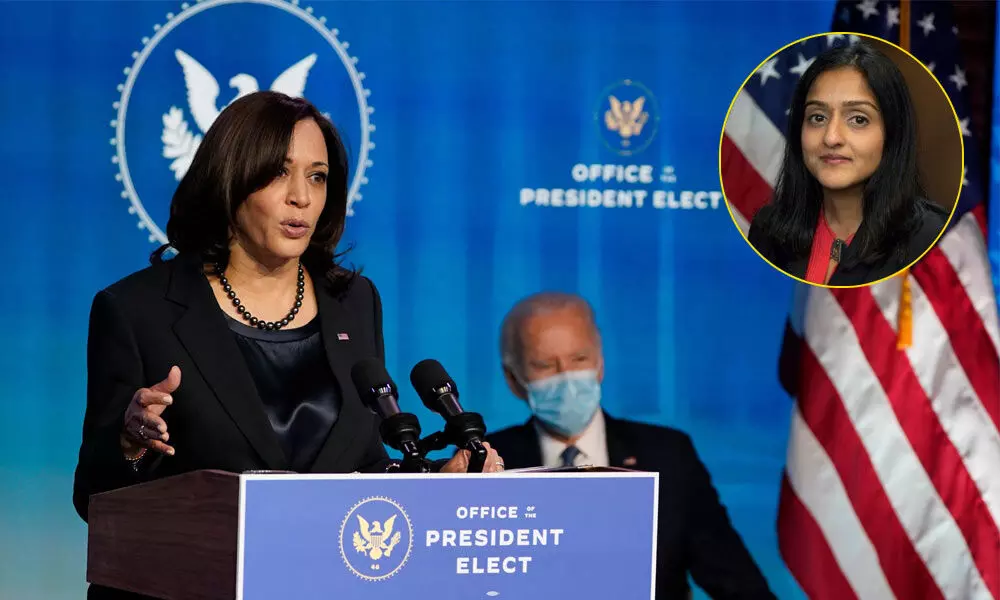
471, 109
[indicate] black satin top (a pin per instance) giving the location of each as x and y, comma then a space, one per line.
294, 380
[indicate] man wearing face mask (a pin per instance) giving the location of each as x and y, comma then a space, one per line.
551, 352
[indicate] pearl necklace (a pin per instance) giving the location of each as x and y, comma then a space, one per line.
254, 321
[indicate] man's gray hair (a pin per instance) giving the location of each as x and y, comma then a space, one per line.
511, 347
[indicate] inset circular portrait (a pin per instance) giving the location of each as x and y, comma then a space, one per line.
841, 160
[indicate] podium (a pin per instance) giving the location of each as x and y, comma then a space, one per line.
582, 533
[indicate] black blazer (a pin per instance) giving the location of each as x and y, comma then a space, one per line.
167, 315
932, 220
695, 535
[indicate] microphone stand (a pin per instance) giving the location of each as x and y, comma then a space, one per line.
414, 460
463, 431
401, 431
435, 441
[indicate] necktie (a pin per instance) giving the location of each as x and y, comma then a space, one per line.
569, 455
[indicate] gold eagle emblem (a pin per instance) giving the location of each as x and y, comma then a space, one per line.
375, 540
627, 118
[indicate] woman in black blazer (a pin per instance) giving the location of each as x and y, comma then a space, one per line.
848, 208
236, 354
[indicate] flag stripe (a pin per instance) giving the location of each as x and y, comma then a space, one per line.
886, 446
746, 191
965, 248
840, 549
741, 222
979, 212
973, 347
828, 418
945, 382
806, 552
749, 128
929, 442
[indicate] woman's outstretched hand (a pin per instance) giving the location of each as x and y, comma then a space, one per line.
144, 426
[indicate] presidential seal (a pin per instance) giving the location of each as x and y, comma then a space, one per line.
176, 87
376, 538
627, 117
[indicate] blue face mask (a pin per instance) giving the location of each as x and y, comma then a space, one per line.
565, 402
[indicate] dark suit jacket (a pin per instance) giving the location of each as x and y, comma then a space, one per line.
919, 239
167, 315
695, 534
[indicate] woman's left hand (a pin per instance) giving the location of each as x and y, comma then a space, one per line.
460, 462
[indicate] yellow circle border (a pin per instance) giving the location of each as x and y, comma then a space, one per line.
958, 125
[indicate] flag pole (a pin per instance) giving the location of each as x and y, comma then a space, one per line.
904, 336
904, 24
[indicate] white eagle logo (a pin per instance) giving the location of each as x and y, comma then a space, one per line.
179, 142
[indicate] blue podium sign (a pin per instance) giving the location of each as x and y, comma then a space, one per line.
510, 535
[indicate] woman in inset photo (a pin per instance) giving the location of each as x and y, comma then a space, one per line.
848, 207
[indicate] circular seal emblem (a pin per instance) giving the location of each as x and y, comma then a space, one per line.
627, 117
376, 538
202, 58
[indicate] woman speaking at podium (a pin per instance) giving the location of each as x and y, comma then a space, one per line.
236, 354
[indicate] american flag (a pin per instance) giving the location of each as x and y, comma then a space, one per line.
892, 482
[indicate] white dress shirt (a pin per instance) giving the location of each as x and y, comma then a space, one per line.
593, 445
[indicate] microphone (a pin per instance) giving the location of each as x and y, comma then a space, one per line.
399, 430
440, 394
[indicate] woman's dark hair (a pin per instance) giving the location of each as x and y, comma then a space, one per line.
243, 151
890, 205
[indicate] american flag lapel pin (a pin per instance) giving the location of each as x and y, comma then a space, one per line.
343, 337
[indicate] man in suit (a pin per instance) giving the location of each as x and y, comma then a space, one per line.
551, 352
